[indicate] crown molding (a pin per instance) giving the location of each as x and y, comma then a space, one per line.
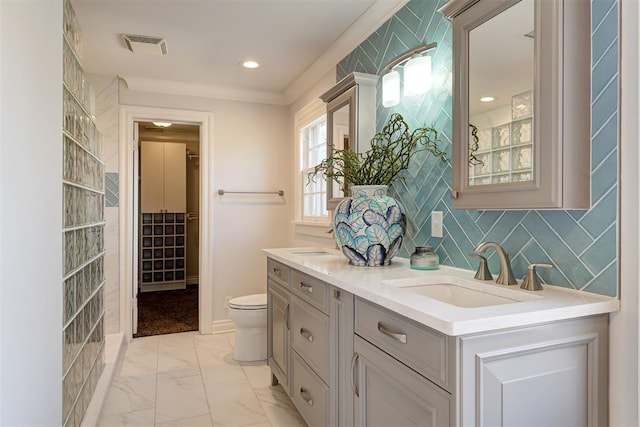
379, 13
229, 93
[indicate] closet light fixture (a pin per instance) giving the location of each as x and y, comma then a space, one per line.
250, 64
162, 124
417, 74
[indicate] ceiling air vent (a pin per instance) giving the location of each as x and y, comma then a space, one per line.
147, 45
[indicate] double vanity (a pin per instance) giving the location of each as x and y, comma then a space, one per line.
393, 346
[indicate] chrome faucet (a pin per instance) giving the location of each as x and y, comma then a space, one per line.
506, 276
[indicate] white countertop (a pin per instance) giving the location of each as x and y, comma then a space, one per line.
374, 284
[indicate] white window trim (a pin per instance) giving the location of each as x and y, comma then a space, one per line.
303, 117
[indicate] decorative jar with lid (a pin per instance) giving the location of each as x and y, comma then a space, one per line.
424, 258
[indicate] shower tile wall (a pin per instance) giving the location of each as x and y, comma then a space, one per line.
107, 110
83, 235
581, 243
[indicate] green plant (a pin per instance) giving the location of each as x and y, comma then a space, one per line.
390, 153
475, 146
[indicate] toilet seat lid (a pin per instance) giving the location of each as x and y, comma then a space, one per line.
249, 302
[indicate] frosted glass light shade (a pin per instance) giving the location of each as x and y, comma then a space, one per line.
390, 89
417, 76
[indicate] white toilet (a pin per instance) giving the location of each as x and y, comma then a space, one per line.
249, 314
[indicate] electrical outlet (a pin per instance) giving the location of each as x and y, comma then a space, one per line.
436, 224
226, 301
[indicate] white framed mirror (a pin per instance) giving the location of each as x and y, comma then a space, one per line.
528, 148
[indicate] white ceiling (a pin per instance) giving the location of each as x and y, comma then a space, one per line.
295, 41
501, 57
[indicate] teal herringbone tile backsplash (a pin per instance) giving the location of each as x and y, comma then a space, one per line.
582, 244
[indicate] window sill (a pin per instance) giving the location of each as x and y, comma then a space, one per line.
314, 229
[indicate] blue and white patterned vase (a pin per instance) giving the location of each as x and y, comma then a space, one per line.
369, 226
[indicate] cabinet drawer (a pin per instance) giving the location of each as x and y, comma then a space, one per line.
308, 393
421, 348
278, 272
309, 336
310, 289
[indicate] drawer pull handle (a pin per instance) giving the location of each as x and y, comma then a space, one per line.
307, 287
306, 396
398, 336
277, 271
286, 317
305, 333
354, 387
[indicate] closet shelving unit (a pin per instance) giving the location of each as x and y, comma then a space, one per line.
163, 218
163, 251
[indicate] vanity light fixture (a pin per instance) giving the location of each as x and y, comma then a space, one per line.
162, 124
391, 89
487, 99
250, 64
417, 74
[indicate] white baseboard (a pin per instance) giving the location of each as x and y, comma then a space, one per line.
114, 349
222, 326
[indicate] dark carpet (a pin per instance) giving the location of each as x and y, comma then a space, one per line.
167, 312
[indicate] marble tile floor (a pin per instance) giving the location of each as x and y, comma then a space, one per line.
189, 379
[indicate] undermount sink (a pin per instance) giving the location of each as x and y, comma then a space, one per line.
461, 292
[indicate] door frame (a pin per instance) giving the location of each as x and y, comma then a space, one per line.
128, 115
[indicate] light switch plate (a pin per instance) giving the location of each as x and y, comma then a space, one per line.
436, 224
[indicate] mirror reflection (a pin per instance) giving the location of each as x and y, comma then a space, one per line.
501, 98
340, 142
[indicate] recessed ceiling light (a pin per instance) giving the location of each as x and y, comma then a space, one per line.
162, 124
250, 64
487, 99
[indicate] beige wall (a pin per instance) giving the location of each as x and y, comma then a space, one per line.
31, 315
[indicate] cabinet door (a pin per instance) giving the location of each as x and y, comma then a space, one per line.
152, 176
175, 177
388, 393
549, 375
278, 332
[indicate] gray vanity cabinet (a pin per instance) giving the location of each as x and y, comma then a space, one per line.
389, 393
278, 309
310, 344
542, 375
346, 361
546, 375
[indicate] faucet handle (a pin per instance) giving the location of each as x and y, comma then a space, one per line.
483, 272
530, 281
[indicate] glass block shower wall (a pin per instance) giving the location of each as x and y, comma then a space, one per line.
83, 234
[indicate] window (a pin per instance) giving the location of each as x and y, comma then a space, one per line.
313, 149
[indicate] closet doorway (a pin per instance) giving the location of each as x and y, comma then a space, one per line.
168, 270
